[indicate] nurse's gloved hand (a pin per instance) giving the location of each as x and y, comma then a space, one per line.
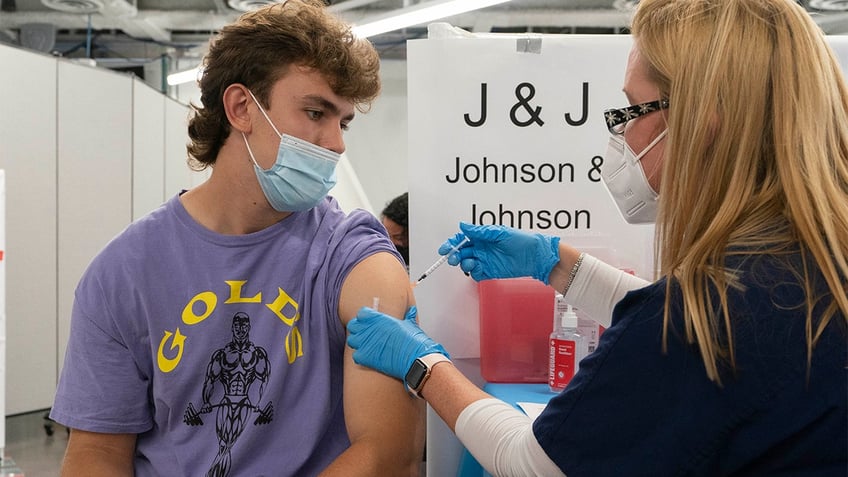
387, 344
502, 252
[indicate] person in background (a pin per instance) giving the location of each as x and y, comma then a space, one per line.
733, 362
208, 338
395, 217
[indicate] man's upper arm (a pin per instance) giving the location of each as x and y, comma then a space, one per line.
94, 453
378, 411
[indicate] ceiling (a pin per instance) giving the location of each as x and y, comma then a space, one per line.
124, 34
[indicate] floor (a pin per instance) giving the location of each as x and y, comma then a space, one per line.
30, 449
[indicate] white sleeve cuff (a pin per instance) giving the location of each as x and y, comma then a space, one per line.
598, 286
501, 438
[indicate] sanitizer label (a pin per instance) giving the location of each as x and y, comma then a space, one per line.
563, 363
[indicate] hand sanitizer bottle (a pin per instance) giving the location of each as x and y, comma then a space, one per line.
567, 346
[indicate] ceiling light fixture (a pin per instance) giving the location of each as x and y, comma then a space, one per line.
829, 5
248, 5
423, 12
186, 76
626, 6
74, 6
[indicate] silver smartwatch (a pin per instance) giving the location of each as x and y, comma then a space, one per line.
420, 370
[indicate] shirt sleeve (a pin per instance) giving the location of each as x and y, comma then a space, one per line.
359, 236
598, 286
104, 390
501, 438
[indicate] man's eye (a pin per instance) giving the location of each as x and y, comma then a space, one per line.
314, 115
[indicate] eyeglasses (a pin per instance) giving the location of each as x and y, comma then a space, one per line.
617, 118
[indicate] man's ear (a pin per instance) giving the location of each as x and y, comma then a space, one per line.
236, 100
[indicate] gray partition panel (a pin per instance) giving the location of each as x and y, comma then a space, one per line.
95, 172
148, 165
28, 154
178, 175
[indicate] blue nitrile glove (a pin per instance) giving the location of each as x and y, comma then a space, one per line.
496, 251
387, 344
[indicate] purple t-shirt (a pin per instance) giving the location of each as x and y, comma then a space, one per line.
224, 353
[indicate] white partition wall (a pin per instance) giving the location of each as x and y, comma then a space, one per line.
2, 307
377, 140
348, 191
28, 155
178, 176
148, 132
84, 151
94, 173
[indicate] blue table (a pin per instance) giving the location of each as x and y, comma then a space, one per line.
512, 394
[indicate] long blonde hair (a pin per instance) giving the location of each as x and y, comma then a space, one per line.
756, 158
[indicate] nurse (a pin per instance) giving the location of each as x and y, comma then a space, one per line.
735, 143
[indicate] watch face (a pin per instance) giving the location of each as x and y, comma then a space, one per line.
415, 374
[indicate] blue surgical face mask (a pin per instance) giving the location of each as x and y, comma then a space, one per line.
302, 175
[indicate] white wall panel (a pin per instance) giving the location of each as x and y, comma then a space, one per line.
148, 164
377, 140
28, 154
2, 306
348, 190
178, 175
95, 172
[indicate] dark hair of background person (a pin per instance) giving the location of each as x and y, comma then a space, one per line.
397, 211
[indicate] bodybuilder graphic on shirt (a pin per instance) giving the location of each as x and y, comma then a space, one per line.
237, 366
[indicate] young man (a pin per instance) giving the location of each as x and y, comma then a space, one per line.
209, 337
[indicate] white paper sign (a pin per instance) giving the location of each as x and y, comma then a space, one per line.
509, 130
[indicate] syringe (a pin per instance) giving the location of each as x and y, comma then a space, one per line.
441, 260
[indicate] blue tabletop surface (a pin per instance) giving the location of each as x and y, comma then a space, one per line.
513, 393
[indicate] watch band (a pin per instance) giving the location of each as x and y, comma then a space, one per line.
420, 371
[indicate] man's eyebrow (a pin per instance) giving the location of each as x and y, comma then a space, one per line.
326, 104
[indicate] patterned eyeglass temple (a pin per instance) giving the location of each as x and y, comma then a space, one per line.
617, 118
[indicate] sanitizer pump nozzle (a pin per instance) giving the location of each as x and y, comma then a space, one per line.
569, 319
567, 346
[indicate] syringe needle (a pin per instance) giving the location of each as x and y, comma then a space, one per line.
441, 260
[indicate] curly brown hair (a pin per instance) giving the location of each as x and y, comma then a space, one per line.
257, 49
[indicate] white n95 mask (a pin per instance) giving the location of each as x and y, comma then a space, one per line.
625, 180
301, 176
